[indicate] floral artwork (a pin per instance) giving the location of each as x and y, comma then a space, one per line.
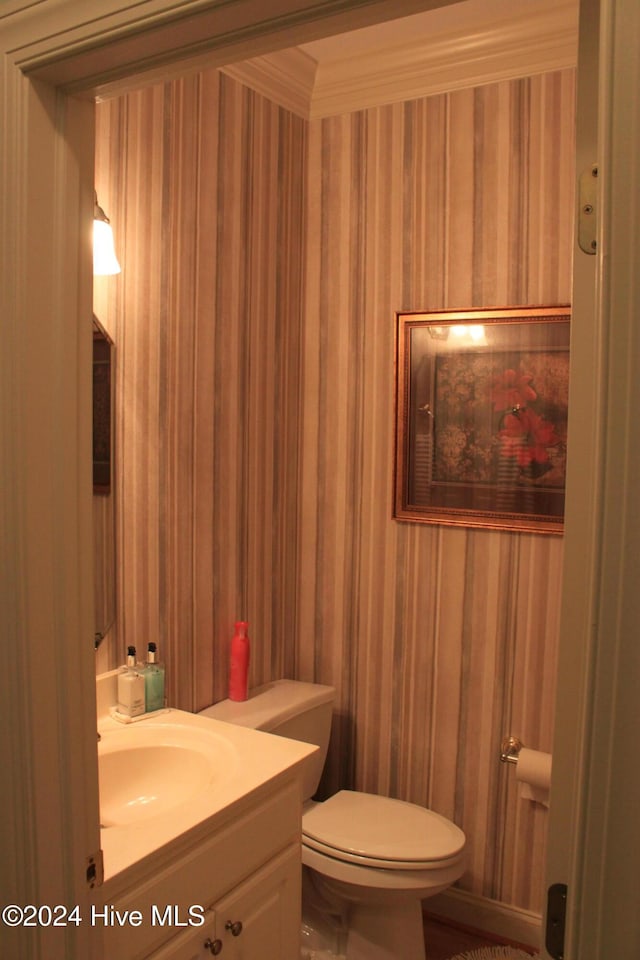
481, 417
490, 411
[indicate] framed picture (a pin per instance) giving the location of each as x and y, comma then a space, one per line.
481, 417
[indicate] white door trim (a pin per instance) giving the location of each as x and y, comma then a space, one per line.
594, 843
47, 677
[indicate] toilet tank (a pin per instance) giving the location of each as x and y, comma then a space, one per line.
287, 708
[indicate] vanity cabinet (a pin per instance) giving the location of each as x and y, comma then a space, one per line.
258, 920
233, 888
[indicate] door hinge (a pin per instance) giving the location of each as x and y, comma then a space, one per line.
588, 210
95, 870
556, 917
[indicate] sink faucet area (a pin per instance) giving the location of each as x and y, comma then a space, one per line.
200, 836
173, 773
147, 770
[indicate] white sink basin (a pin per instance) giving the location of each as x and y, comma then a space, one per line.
147, 770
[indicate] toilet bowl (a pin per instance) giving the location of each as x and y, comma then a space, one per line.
376, 859
369, 861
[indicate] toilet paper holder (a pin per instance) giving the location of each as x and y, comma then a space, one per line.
510, 749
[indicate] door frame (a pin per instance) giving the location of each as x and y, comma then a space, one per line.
57, 55
594, 840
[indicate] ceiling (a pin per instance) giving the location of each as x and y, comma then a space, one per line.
426, 26
458, 45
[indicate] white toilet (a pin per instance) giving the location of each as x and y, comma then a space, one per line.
371, 860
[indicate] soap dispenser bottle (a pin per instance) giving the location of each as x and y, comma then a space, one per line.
239, 667
130, 687
153, 680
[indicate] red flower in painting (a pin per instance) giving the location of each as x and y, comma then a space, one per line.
536, 432
512, 389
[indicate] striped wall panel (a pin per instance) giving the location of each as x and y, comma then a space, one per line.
439, 640
264, 258
203, 183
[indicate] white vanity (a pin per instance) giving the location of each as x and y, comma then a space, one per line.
200, 839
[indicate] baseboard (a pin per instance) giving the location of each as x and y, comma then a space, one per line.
490, 916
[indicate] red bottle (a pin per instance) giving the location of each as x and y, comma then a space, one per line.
239, 668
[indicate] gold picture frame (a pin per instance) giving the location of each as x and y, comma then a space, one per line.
481, 417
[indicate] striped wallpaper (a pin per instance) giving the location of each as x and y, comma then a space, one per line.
264, 258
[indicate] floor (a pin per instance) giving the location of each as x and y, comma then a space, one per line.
444, 940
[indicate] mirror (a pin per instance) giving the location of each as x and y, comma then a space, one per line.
103, 493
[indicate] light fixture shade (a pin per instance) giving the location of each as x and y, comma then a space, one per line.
105, 262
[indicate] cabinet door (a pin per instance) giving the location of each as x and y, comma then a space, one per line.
198, 943
260, 918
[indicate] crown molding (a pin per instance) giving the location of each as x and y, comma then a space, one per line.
542, 39
286, 77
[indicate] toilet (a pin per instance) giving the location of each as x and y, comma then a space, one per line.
369, 860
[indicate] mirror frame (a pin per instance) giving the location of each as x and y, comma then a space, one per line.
103, 491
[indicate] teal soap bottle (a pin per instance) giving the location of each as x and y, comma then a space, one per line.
153, 680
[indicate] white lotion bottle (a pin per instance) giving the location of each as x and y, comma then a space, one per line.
130, 688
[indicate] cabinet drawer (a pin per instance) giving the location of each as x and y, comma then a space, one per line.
203, 875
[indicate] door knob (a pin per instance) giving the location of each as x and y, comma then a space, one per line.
234, 926
215, 946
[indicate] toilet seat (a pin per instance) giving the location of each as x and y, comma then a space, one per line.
380, 832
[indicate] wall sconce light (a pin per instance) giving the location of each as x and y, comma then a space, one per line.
105, 262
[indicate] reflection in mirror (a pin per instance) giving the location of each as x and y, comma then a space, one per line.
103, 496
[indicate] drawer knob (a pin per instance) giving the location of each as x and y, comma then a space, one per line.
215, 946
234, 926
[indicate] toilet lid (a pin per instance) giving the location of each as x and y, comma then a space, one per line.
393, 833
